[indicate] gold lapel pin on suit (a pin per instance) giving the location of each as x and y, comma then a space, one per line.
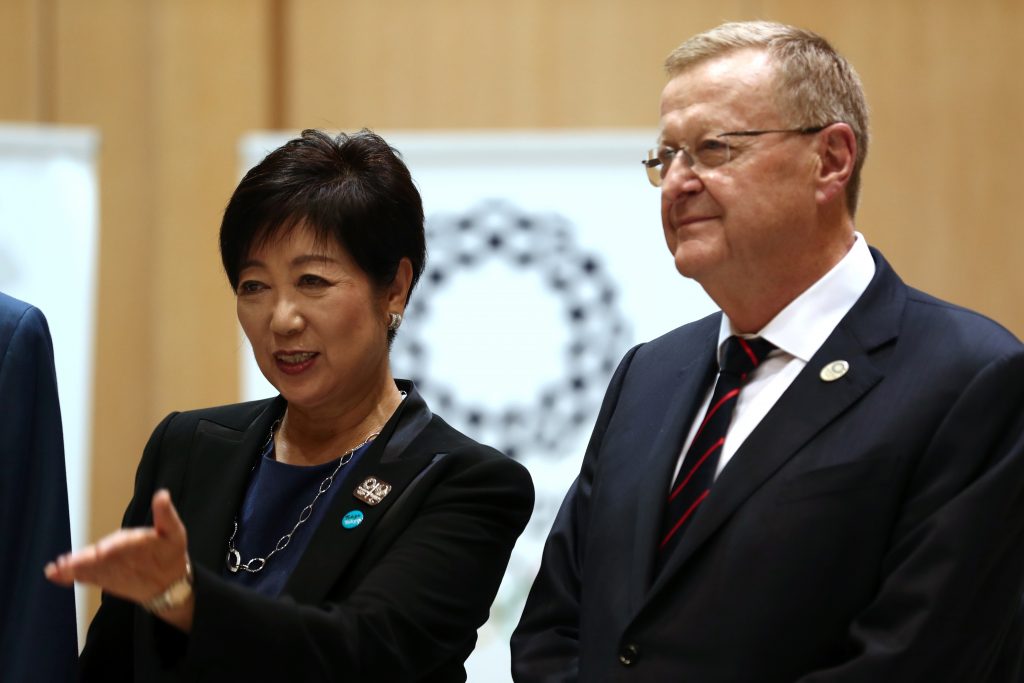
834, 370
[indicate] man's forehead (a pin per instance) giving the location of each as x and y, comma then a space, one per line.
747, 63
737, 82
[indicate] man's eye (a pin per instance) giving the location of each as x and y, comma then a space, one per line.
666, 155
713, 152
712, 145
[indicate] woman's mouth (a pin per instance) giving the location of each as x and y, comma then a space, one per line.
295, 362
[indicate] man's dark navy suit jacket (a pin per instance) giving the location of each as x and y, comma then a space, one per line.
869, 530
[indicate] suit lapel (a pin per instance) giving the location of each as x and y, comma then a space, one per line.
807, 407
389, 459
218, 472
656, 465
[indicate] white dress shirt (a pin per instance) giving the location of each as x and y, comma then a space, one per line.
798, 331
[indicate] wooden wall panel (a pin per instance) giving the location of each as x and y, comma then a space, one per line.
210, 76
470, 64
24, 34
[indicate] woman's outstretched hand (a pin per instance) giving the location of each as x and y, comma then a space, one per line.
134, 564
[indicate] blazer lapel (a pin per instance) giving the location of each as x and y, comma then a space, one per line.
657, 464
808, 406
388, 460
218, 471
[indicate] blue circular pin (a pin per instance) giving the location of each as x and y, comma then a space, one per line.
352, 519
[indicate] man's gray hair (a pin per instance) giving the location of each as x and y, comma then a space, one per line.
815, 84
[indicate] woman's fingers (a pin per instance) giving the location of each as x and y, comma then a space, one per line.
54, 572
165, 518
119, 562
133, 563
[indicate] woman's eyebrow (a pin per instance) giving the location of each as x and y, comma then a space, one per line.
312, 258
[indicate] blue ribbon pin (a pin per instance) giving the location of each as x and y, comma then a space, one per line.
352, 519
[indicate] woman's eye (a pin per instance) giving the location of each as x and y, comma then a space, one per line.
250, 287
312, 281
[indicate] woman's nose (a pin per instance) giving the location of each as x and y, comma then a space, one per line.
287, 317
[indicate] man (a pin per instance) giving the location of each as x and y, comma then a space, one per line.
38, 636
852, 507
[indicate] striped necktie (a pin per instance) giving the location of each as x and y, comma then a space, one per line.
693, 483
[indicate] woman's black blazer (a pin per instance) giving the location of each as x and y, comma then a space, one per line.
397, 598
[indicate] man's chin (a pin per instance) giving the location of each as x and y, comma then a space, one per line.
690, 264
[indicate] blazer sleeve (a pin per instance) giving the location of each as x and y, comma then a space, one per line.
38, 633
419, 604
545, 645
948, 602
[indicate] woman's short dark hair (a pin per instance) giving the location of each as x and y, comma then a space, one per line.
351, 189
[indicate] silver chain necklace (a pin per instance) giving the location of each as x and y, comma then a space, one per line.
256, 564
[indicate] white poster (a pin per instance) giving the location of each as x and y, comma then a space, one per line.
49, 218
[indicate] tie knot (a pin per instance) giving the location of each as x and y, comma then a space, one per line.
740, 356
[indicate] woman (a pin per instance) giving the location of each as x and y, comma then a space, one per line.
339, 531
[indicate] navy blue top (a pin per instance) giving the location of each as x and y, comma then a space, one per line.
276, 496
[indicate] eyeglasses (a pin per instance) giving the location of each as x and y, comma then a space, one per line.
711, 152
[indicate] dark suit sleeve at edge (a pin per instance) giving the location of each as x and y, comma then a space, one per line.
948, 598
545, 645
38, 636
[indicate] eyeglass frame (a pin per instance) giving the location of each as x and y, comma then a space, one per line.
652, 161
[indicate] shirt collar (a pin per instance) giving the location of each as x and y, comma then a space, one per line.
806, 322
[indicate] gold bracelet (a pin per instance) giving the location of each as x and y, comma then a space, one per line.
176, 595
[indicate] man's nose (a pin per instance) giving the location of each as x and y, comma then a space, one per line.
680, 178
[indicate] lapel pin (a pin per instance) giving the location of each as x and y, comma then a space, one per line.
352, 519
372, 490
834, 370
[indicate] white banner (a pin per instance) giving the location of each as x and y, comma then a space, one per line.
49, 222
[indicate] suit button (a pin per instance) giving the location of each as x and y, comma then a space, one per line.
628, 654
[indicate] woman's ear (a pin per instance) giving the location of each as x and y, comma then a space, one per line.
398, 290
838, 154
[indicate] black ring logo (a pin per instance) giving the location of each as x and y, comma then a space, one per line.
598, 332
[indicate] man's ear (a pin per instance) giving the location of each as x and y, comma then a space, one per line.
837, 148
